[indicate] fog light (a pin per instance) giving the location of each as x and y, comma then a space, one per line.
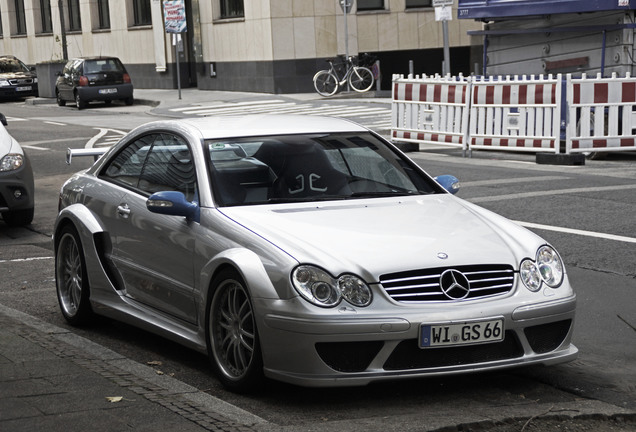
17, 193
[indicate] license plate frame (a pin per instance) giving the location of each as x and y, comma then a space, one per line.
462, 333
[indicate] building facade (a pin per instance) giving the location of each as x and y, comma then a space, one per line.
271, 46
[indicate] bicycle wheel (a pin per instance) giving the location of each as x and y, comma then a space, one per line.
361, 79
325, 83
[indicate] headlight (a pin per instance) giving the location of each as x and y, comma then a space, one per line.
4, 83
547, 268
12, 161
320, 288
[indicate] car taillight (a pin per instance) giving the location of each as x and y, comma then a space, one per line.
83, 81
126, 78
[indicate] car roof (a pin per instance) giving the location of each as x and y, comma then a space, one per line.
265, 125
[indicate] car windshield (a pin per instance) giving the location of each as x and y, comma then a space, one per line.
101, 65
293, 168
8, 65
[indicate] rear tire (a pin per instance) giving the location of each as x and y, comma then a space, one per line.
232, 337
361, 79
325, 83
129, 101
71, 278
79, 103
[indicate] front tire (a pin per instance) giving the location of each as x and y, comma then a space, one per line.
60, 102
233, 344
18, 217
361, 79
71, 278
325, 83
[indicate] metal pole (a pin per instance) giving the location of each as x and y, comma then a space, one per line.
176, 51
60, 6
446, 65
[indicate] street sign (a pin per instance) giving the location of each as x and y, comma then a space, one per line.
348, 3
174, 16
443, 13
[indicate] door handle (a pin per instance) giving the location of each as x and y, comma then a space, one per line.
123, 210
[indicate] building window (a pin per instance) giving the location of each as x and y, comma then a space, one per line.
20, 20
365, 5
141, 13
418, 3
46, 25
74, 21
103, 14
232, 9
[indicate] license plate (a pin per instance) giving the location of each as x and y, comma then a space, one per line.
466, 333
25, 88
108, 91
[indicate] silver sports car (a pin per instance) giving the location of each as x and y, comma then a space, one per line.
307, 250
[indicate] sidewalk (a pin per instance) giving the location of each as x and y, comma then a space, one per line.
53, 380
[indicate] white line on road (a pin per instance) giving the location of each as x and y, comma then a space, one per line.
55, 123
551, 192
578, 232
25, 259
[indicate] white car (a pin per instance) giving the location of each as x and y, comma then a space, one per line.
307, 250
16, 180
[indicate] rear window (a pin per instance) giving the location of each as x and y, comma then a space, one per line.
102, 65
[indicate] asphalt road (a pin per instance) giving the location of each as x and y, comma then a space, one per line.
586, 212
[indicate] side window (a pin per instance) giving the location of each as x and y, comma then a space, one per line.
126, 168
169, 166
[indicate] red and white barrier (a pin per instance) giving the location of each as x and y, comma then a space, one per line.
601, 114
430, 110
516, 114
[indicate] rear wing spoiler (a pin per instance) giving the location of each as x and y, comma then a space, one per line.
95, 152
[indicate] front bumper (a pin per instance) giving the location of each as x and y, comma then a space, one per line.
17, 92
20, 180
348, 350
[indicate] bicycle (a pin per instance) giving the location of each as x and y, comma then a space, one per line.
328, 82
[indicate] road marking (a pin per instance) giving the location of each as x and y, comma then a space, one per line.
25, 259
55, 123
110, 138
578, 232
550, 192
514, 180
16, 119
30, 147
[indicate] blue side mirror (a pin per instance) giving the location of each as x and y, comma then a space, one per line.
173, 203
448, 182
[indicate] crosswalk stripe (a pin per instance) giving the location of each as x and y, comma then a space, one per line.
378, 117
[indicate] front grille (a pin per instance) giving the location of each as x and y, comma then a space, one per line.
408, 355
547, 337
348, 356
418, 286
21, 81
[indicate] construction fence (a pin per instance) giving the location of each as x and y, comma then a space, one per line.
520, 113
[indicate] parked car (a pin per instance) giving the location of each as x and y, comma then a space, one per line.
17, 80
88, 79
306, 249
16, 180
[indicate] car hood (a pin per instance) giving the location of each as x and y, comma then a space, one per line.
17, 75
7, 143
372, 237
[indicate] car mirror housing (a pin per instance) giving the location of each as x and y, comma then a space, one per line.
448, 182
173, 203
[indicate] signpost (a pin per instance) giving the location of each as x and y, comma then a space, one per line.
175, 23
443, 13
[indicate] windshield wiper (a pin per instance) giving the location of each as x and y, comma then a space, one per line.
382, 194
